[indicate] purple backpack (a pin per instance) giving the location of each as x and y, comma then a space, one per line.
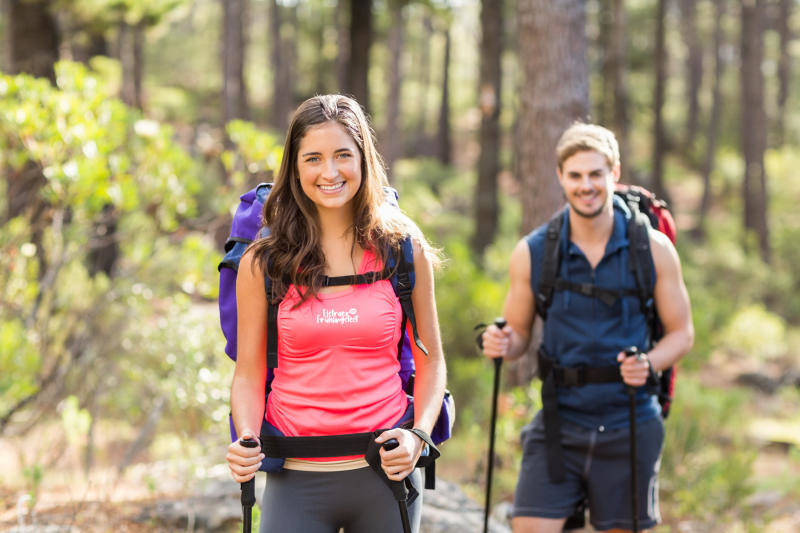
247, 222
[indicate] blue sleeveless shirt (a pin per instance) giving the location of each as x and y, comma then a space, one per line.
584, 331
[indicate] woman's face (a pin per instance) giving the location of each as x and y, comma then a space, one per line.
329, 166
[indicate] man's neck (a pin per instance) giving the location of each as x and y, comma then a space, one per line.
594, 230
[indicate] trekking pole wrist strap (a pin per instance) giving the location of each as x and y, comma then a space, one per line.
427, 461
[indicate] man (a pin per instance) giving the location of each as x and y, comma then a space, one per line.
578, 447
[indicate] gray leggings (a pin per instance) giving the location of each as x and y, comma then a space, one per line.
357, 501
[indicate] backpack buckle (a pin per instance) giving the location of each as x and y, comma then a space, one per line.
403, 284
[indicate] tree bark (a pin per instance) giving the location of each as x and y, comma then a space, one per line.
754, 124
360, 44
554, 94
617, 70
32, 38
659, 136
693, 71
281, 91
443, 134
392, 141
489, 102
234, 90
343, 48
421, 141
131, 45
713, 124
784, 67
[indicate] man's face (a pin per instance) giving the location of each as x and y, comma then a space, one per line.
588, 182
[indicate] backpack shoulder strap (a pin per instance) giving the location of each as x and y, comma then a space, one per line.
403, 281
272, 324
639, 258
551, 260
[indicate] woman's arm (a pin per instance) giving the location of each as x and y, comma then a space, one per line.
250, 374
430, 373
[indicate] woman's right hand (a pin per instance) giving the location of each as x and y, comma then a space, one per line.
496, 341
244, 462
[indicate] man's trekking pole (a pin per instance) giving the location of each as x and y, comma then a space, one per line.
391, 444
498, 363
248, 492
633, 351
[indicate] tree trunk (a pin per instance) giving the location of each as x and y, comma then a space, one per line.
343, 48
443, 135
754, 124
784, 67
421, 141
32, 38
554, 94
713, 124
392, 141
694, 72
360, 43
131, 44
234, 91
281, 91
659, 140
617, 69
32, 41
603, 109
489, 102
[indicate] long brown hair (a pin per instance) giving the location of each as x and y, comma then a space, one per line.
292, 252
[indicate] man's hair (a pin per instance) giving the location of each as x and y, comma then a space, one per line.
581, 137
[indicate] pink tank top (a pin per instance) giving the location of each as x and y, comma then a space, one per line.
337, 361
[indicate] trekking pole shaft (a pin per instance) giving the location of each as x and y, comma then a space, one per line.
391, 444
633, 352
634, 481
498, 364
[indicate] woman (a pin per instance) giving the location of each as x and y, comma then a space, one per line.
337, 346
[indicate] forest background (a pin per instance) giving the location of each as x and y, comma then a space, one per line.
128, 129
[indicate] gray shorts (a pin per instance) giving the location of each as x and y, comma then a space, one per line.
598, 469
357, 501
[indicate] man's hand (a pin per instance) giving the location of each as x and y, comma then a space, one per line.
496, 341
635, 369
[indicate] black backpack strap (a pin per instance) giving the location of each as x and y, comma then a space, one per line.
639, 258
404, 285
272, 324
356, 279
607, 296
550, 264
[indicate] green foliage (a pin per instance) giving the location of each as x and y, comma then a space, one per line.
707, 463
136, 333
755, 332
257, 154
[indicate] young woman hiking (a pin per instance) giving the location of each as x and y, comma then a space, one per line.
337, 367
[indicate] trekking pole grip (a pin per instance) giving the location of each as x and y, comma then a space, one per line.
632, 351
500, 323
248, 492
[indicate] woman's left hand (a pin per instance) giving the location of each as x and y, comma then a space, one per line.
399, 462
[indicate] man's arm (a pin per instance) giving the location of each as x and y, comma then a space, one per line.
519, 310
672, 304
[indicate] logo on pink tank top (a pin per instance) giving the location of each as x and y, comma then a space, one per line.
331, 316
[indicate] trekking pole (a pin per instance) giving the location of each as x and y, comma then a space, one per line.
633, 351
248, 492
498, 363
391, 444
